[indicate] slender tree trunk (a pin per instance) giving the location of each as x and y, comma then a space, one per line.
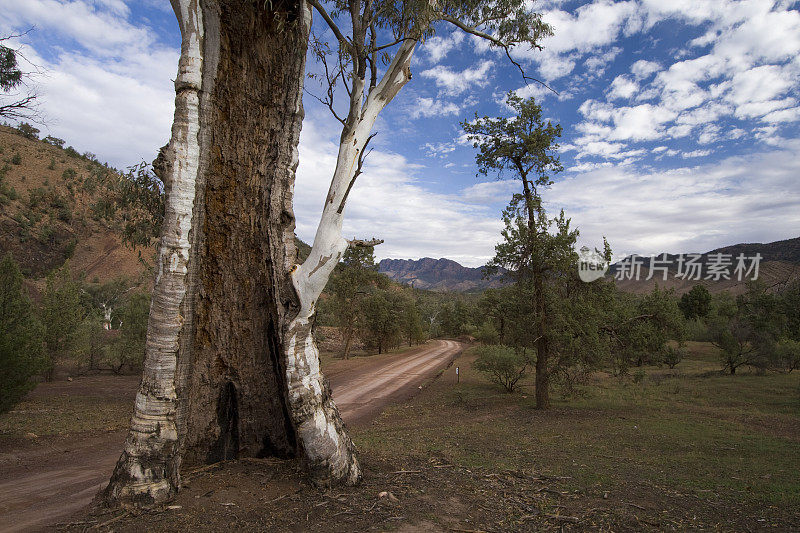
348, 340
225, 310
542, 346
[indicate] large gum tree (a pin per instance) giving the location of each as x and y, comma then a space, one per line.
231, 366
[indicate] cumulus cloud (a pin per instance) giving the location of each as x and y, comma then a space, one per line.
437, 47
433, 107
751, 198
110, 92
622, 88
454, 83
389, 202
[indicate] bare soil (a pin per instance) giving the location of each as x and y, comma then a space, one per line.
44, 479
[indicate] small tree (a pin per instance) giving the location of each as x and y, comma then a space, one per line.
14, 103
21, 352
129, 349
353, 280
504, 365
62, 313
525, 146
695, 303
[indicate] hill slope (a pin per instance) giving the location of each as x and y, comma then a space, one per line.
780, 263
54, 206
438, 275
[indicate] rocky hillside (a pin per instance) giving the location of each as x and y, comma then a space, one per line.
780, 263
54, 206
438, 275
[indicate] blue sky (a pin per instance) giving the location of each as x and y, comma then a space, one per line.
681, 120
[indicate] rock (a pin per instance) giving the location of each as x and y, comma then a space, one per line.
385, 495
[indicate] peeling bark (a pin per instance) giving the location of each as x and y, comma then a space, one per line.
216, 383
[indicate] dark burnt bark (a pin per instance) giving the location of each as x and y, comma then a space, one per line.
244, 293
214, 385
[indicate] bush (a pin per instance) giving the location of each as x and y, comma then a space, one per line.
69, 174
487, 334
673, 356
129, 349
16, 158
21, 352
55, 141
504, 365
52, 165
35, 197
26, 130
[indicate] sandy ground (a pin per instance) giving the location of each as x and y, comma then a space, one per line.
44, 483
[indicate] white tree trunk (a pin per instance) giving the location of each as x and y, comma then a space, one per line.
148, 469
327, 448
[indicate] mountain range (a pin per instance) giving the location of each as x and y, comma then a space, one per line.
438, 275
780, 263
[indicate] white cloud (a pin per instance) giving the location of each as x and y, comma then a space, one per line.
111, 93
695, 153
750, 198
437, 47
622, 88
433, 107
389, 202
454, 83
643, 68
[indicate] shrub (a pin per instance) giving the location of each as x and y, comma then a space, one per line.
35, 197
673, 356
504, 365
21, 352
69, 174
26, 130
65, 214
55, 141
16, 158
52, 165
129, 349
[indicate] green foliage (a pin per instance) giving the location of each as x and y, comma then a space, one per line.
52, 165
28, 131
695, 303
756, 329
380, 328
16, 159
21, 351
487, 334
523, 145
10, 74
103, 209
140, 197
61, 314
55, 141
129, 349
644, 326
36, 196
69, 174
502, 364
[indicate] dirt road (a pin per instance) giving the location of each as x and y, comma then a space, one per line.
45, 483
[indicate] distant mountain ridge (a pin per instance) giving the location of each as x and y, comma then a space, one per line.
438, 275
780, 262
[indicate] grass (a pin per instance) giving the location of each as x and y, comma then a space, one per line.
93, 404
691, 431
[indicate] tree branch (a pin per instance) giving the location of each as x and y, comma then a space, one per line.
497, 42
360, 243
327, 18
